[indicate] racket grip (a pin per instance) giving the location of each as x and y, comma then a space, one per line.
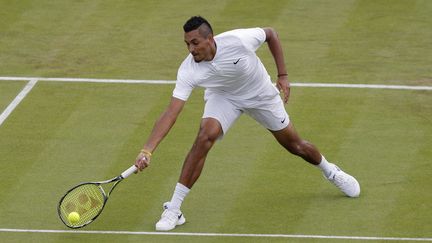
129, 171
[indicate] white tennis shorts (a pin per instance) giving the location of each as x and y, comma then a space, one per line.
270, 113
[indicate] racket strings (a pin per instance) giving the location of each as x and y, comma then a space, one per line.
87, 200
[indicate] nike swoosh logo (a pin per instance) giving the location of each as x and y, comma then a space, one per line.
180, 216
283, 120
236, 61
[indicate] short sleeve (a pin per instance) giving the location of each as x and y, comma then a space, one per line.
251, 38
184, 86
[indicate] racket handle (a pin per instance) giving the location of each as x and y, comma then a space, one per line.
129, 171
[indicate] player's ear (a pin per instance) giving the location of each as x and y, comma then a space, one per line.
210, 38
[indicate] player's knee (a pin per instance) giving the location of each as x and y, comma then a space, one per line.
209, 131
207, 135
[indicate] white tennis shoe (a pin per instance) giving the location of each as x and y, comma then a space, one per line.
170, 218
346, 183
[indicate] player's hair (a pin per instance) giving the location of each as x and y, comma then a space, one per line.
195, 22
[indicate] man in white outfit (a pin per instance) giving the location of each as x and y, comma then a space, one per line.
235, 82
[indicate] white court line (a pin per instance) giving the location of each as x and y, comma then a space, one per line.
17, 100
102, 232
315, 85
362, 86
91, 80
33, 80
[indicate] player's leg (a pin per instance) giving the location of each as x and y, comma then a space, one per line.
291, 141
210, 130
273, 116
219, 115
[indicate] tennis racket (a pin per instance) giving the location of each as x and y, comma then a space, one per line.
87, 200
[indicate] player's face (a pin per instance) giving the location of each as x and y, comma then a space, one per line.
199, 46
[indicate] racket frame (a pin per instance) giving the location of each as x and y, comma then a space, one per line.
105, 195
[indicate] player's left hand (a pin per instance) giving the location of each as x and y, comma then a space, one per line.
283, 85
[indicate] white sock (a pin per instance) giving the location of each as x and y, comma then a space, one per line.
178, 196
325, 166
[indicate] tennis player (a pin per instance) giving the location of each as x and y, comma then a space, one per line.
235, 82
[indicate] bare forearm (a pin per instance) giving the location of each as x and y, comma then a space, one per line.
161, 128
275, 47
164, 124
276, 50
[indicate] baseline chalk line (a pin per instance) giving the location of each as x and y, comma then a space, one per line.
212, 234
294, 84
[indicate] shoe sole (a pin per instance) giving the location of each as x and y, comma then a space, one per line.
181, 221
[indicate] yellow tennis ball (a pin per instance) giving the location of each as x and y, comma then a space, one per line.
73, 217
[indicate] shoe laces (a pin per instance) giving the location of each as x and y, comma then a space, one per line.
170, 215
338, 177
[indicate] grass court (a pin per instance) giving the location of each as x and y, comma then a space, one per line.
63, 133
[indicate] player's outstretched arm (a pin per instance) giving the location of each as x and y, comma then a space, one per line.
275, 47
160, 130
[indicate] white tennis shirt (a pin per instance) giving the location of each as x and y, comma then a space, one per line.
235, 72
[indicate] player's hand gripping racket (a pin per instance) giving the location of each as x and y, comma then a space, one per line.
83, 203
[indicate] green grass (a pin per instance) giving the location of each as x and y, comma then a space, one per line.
368, 41
97, 129
8, 91
65, 133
